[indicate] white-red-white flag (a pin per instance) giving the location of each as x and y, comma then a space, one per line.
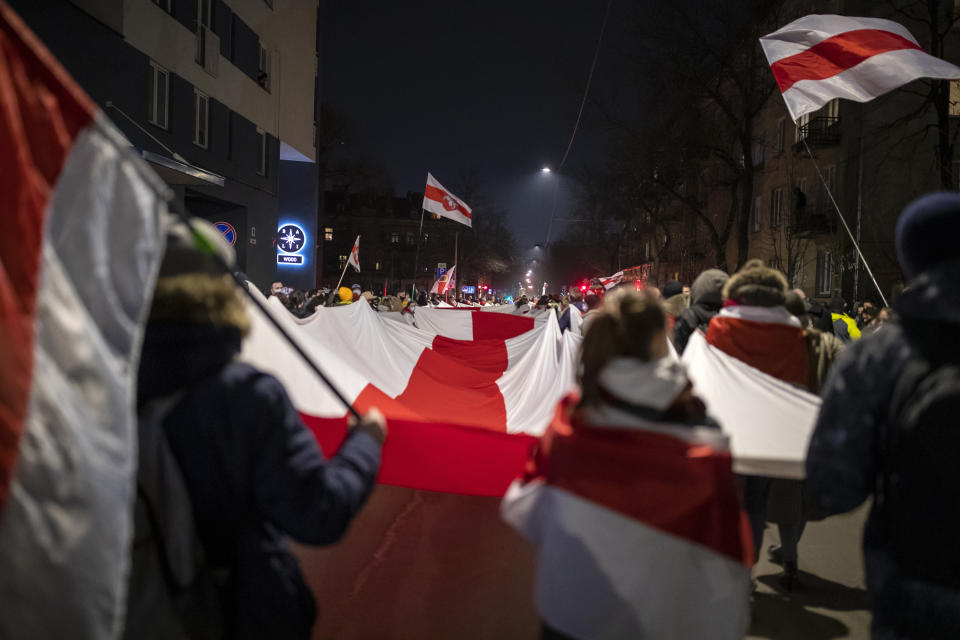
436, 199
612, 281
446, 282
354, 258
821, 57
78, 256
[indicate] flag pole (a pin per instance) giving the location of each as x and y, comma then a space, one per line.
843, 221
456, 254
343, 273
416, 259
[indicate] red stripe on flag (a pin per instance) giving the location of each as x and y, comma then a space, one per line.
685, 489
41, 112
437, 195
489, 325
837, 54
438, 456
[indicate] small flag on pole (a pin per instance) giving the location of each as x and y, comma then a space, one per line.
446, 282
822, 57
436, 199
354, 259
612, 281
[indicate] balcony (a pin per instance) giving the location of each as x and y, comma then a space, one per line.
820, 131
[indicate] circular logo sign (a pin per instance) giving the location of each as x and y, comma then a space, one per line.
449, 203
229, 233
291, 238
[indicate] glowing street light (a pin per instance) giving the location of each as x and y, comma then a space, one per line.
545, 170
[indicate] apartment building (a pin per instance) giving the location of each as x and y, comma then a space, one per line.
220, 97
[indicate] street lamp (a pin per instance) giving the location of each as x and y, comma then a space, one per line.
545, 170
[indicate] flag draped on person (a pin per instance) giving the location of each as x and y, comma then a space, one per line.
436, 199
617, 563
612, 281
354, 258
822, 57
78, 258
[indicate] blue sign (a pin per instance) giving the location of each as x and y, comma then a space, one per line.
469, 289
229, 233
291, 241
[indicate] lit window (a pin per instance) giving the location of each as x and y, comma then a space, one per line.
395, 237
376, 266
159, 95
328, 233
342, 260
201, 123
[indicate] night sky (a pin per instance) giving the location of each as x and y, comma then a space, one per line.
487, 87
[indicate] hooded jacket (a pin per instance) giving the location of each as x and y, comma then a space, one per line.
843, 460
705, 301
255, 474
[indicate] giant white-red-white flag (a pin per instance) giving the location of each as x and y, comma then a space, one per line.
436, 199
78, 256
821, 57
354, 258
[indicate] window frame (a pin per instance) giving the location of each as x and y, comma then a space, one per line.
262, 168
758, 214
824, 272
328, 234
198, 98
776, 207
394, 237
263, 68
156, 71
780, 141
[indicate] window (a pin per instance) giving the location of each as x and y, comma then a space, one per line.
781, 134
831, 109
201, 121
262, 170
159, 95
411, 237
646, 250
203, 26
824, 273
776, 207
830, 177
163, 4
328, 233
342, 261
263, 70
376, 266
434, 216
757, 213
803, 130
756, 152
954, 107
395, 237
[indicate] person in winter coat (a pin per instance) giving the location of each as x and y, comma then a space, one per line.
254, 471
755, 327
844, 327
706, 298
887, 429
633, 424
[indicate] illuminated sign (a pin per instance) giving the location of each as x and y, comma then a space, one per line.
291, 240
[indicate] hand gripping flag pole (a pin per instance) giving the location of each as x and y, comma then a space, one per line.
819, 58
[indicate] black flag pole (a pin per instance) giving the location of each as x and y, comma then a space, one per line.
200, 240
416, 258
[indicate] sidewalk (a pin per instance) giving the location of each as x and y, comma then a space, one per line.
831, 599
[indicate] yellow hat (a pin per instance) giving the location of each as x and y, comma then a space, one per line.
346, 295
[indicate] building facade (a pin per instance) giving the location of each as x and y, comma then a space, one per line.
390, 258
220, 97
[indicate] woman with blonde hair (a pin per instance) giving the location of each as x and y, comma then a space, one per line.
630, 496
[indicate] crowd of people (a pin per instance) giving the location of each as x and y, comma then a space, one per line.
889, 384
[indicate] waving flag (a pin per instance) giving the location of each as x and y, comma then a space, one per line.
821, 57
354, 258
78, 255
436, 199
612, 281
446, 282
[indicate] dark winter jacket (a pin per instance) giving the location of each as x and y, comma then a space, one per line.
843, 459
255, 474
705, 301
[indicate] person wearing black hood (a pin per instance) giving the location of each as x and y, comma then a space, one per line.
706, 298
888, 429
254, 472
